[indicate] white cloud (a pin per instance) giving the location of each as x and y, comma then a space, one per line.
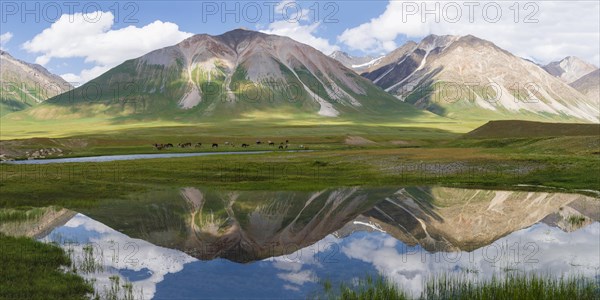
158, 260
5, 38
380, 33
85, 75
556, 251
76, 36
298, 278
298, 27
556, 29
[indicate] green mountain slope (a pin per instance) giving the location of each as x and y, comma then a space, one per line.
23, 85
236, 75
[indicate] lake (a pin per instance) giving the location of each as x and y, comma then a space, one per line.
198, 242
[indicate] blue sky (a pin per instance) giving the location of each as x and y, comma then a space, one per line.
82, 41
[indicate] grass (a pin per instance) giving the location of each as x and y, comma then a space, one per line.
368, 288
529, 129
24, 213
34, 270
513, 286
576, 220
77, 185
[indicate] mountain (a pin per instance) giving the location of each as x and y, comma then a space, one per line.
469, 78
589, 85
241, 226
228, 75
24, 84
245, 226
433, 218
570, 68
387, 63
358, 64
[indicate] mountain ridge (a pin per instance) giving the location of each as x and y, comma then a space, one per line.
589, 85
468, 77
569, 69
220, 75
25, 84
358, 64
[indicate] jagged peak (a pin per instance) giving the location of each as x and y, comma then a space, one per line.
339, 53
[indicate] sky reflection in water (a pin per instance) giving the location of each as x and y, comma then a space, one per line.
162, 273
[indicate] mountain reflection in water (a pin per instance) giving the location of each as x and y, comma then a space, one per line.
195, 243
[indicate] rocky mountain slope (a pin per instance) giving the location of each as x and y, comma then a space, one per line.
570, 68
589, 85
24, 85
357, 63
439, 219
229, 75
467, 77
245, 226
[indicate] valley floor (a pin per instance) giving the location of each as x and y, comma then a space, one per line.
565, 164
380, 154
345, 156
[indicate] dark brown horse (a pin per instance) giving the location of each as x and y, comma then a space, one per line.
215, 145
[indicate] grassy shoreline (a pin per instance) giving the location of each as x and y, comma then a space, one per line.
451, 286
35, 270
74, 184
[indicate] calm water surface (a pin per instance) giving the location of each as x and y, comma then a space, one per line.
107, 158
195, 243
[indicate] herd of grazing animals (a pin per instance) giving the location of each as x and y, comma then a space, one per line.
282, 145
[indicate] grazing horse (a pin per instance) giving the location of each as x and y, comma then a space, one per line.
280, 147
215, 145
258, 142
287, 141
198, 145
271, 143
169, 145
245, 145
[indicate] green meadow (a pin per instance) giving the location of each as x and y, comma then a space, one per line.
357, 151
459, 286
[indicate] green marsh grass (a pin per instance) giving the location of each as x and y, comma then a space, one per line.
576, 220
461, 286
21, 214
33, 270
